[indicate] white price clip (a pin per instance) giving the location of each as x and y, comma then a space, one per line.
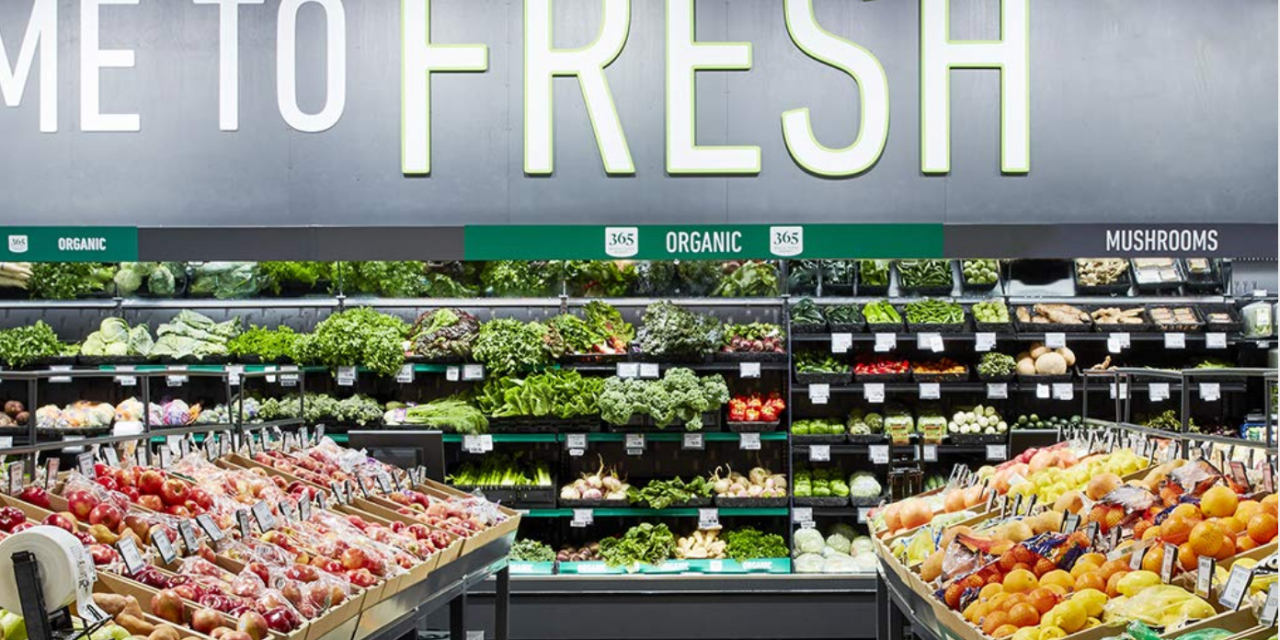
819, 453
635, 444
289, 377
879, 453
841, 342
127, 381
6, 442
649, 370
864, 514
1055, 340
749, 370
175, 380
1210, 391
873, 392
1063, 391
477, 443
473, 372
708, 518
819, 393
582, 518
405, 375
1237, 587
84, 462
930, 390
60, 379
133, 562
997, 453
576, 443
693, 442
931, 341
234, 371
271, 371
628, 370
803, 516
453, 374
1042, 391
1175, 341
749, 442
997, 390
346, 376
1159, 391
1215, 340
886, 342
983, 342
1268, 616
1121, 391
1205, 567
1117, 342
1167, 562
929, 453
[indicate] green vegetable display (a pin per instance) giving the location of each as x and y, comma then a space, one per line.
557, 393
225, 280
881, 312
270, 345
925, 273
603, 331
820, 483
115, 338
68, 280
874, 273
356, 409
359, 336
818, 427
444, 333
600, 278
997, 365
679, 396
1034, 421
389, 279
21, 346
298, 275
750, 279
991, 312
980, 271
862, 423
642, 544
749, 543
532, 551
518, 279
843, 314
807, 312
670, 330
160, 278
819, 362
507, 346
931, 311
448, 413
660, 494
192, 335
501, 470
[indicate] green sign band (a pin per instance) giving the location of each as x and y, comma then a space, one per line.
69, 244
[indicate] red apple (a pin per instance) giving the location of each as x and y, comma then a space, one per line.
81, 503
102, 554
106, 514
63, 520
150, 482
178, 510
173, 492
107, 482
354, 558
361, 578
35, 495
152, 502
201, 497
131, 493
11, 517
19, 528
252, 624
302, 573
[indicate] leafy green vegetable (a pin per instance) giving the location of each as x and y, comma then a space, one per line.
501, 470
303, 275
991, 312
115, 338
670, 330
507, 346
599, 278
749, 543
609, 332
532, 551
644, 543
21, 346
843, 314
444, 333
270, 345
224, 280
751, 279
517, 279
997, 364
359, 336
577, 336
818, 427
558, 393
68, 280
448, 413
679, 396
660, 494
357, 409
390, 279
807, 312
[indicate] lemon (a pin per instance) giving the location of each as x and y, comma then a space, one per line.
1092, 600
1071, 616
1051, 633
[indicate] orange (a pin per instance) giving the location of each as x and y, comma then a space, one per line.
1152, 531
1004, 631
1113, 567
1262, 527
1186, 557
989, 590
1206, 538
994, 621
971, 612
1269, 504
1187, 511
994, 577
1006, 561
1113, 583
997, 601
1094, 558
1024, 555
1227, 549
1247, 509
1014, 600
952, 595
1176, 529
1022, 566
1059, 577
1140, 529
974, 581
1059, 590
1233, 526
1154, 560
1043, 600
1081, 568
1024, 615
1043, 566
1020, 581
1245, 543
1091, 580
1219, 502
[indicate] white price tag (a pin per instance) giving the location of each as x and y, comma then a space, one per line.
582, 518
1210, 391
346, 376
473, 372
477, 443
6, 442
271, 379
1175, 341
983, 342
886, 342
1055, 340
708, 518
930, 390
453, 374
749, 442
929, 453
694, 442
873, 392
1121, 391
127, 381
627, 370
1063, 391
997, 390
1204, 576
234, 372
649, 370
864, 514
819, 393
60, 379
635, 443
576, 441
841, 342
133, 562
175, 381
1268, 616
931, 342
84, 463
802, 516
289, 377
72, 449
405, 374
1215, 340
997, 452
1237, 586
749, 370
1042, 391
1159, 391
819, 453
879, 453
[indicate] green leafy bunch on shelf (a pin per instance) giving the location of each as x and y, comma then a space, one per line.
660, 494
645, 543
671, 330
359, 336
500, 470
357, 409
749, 543
271, 345
557, 393
506, 346
448, 413
21, 346
68, 280
680, 396
444, 333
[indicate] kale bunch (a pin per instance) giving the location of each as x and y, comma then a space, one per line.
444, 333
506, 346
354, 337
670, 330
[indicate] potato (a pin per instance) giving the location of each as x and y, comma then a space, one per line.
165, 632
113, 604
1038, 350
135, 625
1068, 355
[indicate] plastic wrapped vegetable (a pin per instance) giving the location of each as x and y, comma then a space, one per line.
864, 485
839, 543
840, 563
1159, 606
809, 563
809, 541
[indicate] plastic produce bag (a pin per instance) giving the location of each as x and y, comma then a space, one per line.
1164, 606
226, 279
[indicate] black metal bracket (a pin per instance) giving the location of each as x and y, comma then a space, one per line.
41, 623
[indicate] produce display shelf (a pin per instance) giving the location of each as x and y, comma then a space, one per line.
900, 387
660, 513
710, 367
709, 436
156, 438
457, 438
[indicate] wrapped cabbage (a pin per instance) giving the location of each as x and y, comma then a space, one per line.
129, 410
161, 282
47, 417
840, 563
129, 277
809, 541
140, 340
809, 563
862, 545
864, 485
839, 543
843, 529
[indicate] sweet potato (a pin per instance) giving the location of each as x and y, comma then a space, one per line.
135, 625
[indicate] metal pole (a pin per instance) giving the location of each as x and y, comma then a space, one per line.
502, 606
458, 616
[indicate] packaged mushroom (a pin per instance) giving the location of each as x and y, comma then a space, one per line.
1174, 318
1093, 272
1053, 314
1107, 316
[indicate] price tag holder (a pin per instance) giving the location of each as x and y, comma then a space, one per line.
84, 464
473, 372
628, 370
1069, 524
1167, 562
930, 390
289, 377
1158, 391
635, 444
190, 539
1121, 390
405, 375
1135, 558
819, 393
841, 342
873, 392
803, 516
582, 518
339, 493
1204, 577
210, 528
109, 454
127, 381
1042, 391
6, 442
749, 370
1175, 341
879, 453
1063, 391
453, 374
477, 443
983, 342
164, 546
1268, 616
16, 471
864, 514
998, 453
693, 442
930, 341
346, 376
708, 518
929, 452
60, 379
304, 509
819, 453
886, 342
1237, 587
1215, 340
1055, 340
175, 381
576, 442
997, 390
1210, 391
1117, 342
749, 442
242, 521
649, 370
234, 372
133, 562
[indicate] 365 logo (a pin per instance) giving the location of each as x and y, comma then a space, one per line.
622, 242
786, 242
19, 244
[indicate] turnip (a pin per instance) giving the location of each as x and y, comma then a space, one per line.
592, 494
570, 493
755, 491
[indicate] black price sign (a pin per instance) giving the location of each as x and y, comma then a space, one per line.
111, 456
304, 508
51, 472
339, 492
384, 484
16, 473
1168, 562
287, 512
1204, 577
1237, 587
190, 539
210, 528
84, 462
1070, 523
1091, 530
262, 514
242, 520
165, 546
133, 562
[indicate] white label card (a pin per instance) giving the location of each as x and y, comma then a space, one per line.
346, 376
175, 381
1204, 577
1122, 391
841, 342
627, 370
582, 518
1268, 616
164, 545
693, 442
405, 375
819, 393
1210, 391
133, 562
708, 518
453, 374
929, 453
1237, 587
864, 514
84, 462
649, 370
635, 441
1055, 340
473, 372
233, 374
1167, 562
477, 443
127, 381
997, 390
930, 390
575, 441
6, 442
983, 342
879, 453
819, 453
1042, 391
802, 515
1215, 340
16, 471
997, 452
749, 442
749, 370
1159, 391
1063, 391
930, 341
60, 379
886, 342
873, 392
1175, 341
